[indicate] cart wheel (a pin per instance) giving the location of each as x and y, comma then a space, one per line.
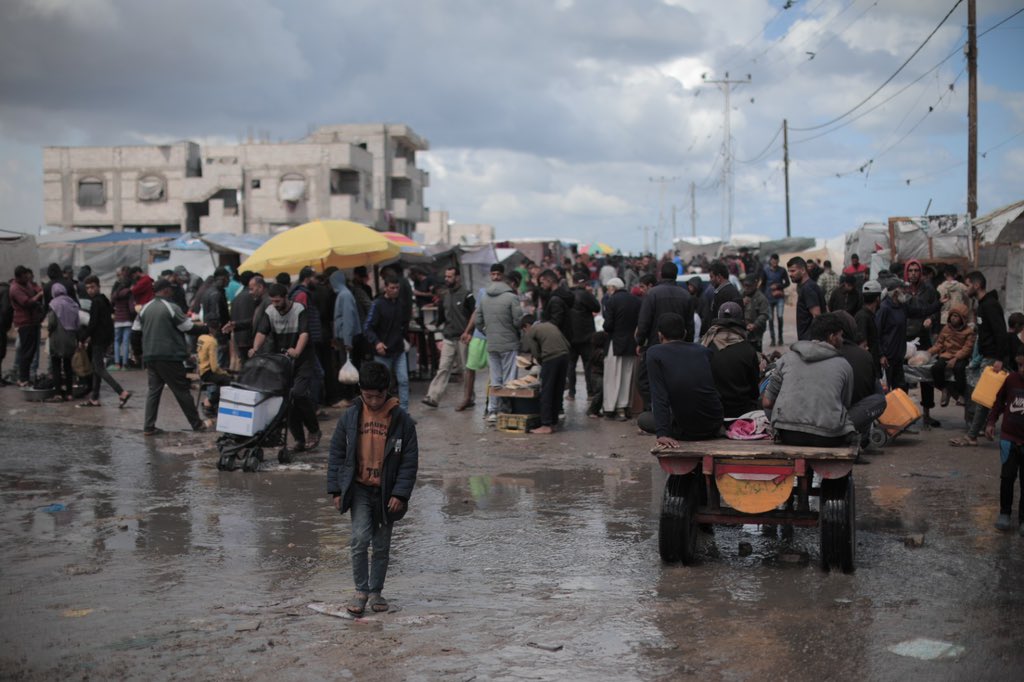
677, 530
253, 460
838, 524
284, 456
227, 463
878, 437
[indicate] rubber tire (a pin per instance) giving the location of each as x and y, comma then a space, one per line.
837, 523
227, 463
677, 528
284, 456
878, 438
253, 459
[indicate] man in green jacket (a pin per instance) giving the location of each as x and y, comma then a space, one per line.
164, 351
549, 348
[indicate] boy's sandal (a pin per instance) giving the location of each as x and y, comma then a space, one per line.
377, 603
125, 399
963, 442
357, 604
88, 403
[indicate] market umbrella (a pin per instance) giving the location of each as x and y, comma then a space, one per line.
321, 244
596, 248
407, 245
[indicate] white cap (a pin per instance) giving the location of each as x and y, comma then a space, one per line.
616, 282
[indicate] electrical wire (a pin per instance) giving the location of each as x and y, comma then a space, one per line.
782, 38
760, 155
820, 30
887, 80
757, 35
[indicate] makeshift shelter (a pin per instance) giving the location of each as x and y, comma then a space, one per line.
933, 239
697, 246
1001, 253
188, 250
870, 242
16, 249
104, 253
477, 262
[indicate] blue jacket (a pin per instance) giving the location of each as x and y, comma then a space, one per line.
346, 313
386, 322
401, 459
891, 320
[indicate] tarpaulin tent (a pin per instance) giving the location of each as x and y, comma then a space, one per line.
16, 249
931, 238
104, 253
188, 250
1001, 253
477, 262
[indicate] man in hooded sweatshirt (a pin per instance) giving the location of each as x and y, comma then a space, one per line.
734, 362
809, 394
499, 317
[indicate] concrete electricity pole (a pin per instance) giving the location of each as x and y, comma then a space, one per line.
727, 175
972, 110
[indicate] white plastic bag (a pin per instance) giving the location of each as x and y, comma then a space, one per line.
348, 374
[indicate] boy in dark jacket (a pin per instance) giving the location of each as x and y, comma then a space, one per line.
1010, 405
384, 329
100, 334
371, 470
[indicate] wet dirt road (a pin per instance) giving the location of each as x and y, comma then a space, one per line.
159, 566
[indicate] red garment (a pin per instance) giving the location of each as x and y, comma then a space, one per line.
142, 290
859, 270
26, 311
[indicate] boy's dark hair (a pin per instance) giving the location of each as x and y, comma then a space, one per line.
360, 271
277, 290
455, 268
824, 326
978, 278
949, 269
796, 262
245, 277
373, 376
21, 271
53, 271
719, 268
649, 280
1015, 321
91, 279
498, 267
514, 278
548, 274
826, 264
284, 278
166, 273
391, 279
672, 326
774, 255
669, 270
528, 320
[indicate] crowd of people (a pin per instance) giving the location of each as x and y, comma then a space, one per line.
679, 347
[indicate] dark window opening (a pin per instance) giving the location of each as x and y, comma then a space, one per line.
345, 182
193, 212
255, 183
91, 192
401, 188
230, 198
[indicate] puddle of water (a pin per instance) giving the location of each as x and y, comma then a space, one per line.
926, 649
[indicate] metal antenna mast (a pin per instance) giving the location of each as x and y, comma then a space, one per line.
727, 174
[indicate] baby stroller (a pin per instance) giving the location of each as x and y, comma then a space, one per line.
253, 413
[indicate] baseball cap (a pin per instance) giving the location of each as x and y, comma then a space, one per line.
617, 283
730, 311
872, 287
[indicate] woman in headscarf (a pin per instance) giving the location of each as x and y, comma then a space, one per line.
62, 323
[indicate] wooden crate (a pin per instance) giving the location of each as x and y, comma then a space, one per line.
518, 423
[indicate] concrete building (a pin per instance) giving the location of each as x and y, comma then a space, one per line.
440, 229
365, 173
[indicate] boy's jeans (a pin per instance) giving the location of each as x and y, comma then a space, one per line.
369, 528
399, 366
503, 370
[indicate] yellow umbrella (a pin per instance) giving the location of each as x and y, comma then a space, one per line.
321, 244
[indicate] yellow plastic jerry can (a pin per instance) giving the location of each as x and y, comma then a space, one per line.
988, 386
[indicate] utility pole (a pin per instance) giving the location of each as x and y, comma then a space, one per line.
693, 209
662, 181
972, 110
727, 175
674, 207
785, 163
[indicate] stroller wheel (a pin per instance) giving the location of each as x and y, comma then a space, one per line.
284, 456
227, 463
252, 460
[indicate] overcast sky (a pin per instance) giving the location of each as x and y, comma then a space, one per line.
545, 117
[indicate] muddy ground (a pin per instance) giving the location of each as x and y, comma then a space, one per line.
523, 557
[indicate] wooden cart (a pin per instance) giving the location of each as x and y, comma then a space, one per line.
762, 482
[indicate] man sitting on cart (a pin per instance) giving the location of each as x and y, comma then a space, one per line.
284, 323
685, 404
809, 394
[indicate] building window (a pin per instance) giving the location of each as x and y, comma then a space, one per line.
292, 188
255, 183
91, 192
345, 181
151, 188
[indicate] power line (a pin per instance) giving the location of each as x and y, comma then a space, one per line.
820, 29
757, 35
887, 80
782, 38
764, 152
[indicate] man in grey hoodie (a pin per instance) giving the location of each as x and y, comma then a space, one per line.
499, 316
808, 397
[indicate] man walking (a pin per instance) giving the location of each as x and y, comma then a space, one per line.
385, 329
809, 302
993, 345
499, 318
28, 313
725, 291
457, 305
774, 281
348, 331
164, 351
581, 316
621, 315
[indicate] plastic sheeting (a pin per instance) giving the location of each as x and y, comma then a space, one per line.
292, 188
150, 188
866, 240
932, 237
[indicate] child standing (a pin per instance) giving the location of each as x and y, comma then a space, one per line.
374, 457
1010, 404
210, 371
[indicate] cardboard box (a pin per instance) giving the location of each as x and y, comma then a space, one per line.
243, 412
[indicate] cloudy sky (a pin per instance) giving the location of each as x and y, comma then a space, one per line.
545, 117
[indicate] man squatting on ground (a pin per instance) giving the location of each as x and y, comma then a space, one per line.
371, 470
